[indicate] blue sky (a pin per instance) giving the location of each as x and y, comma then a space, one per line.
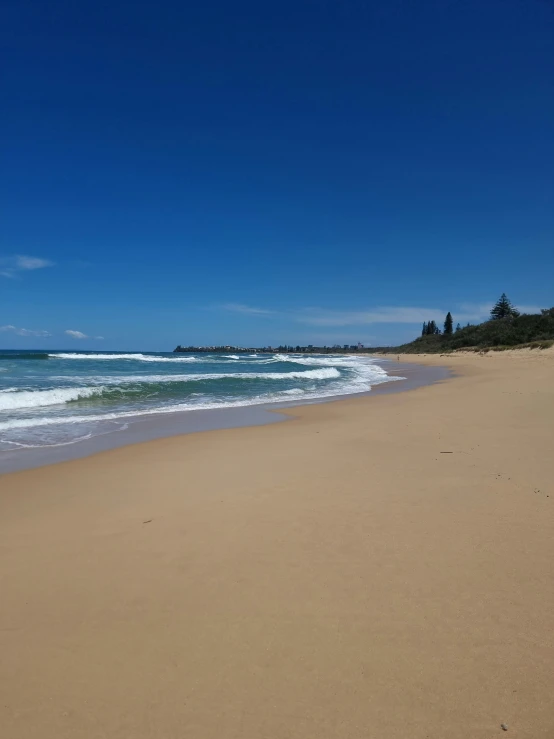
258, 173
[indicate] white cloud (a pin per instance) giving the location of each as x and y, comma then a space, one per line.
239, 308
99, 338
23, 262
482, 310
339, 338
462, 313
326, 317
11, 266
25, 331
31, 332
388, 314
321, 317
76, 334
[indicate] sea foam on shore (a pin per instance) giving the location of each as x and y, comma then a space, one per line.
59, 397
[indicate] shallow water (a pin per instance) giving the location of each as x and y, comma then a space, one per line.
48, 399
145, 427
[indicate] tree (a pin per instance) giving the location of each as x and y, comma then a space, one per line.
424, 329
448, 323
503, 309
458, 327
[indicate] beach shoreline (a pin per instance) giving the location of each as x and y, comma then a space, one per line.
380, 566
147, 428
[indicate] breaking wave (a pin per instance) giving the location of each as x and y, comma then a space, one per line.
13, 400
88, 393
137, 357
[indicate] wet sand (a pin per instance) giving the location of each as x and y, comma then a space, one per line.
159, 426
376, 567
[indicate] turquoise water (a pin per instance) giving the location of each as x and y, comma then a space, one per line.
48, 399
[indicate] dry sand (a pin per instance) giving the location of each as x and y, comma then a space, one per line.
378, 567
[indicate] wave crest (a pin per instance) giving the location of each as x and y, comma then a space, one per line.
10, 400
138, 357
13, 399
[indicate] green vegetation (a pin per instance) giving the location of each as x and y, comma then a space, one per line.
503, 309
506, 329
430, 329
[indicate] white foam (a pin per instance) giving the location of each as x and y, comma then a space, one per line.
138, 357
327, 361
347, 375
10, 400
267, 399
75, 440
325, 373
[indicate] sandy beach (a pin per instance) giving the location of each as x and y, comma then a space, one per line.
376, 567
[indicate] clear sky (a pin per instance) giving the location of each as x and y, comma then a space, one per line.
258, 172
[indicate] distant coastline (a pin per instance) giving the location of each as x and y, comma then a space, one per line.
283, 349
507, 328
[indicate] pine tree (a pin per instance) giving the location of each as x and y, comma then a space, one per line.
424, 329
448, 323
503, 309
458, 327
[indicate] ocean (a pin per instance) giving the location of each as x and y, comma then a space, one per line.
59, 398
